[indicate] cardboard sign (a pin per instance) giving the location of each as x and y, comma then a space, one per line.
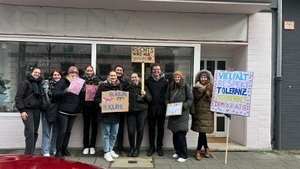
115, 101
76, 85
90, 92
143, 54
174, 109
232, 92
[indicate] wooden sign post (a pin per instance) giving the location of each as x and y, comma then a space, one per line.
143, 55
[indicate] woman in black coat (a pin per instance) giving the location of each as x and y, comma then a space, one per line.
28, 101
137, 115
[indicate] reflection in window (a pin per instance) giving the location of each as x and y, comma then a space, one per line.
18, 58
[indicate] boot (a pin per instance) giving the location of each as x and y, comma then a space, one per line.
65, 152
136, 152
207, 153
58, 154
198, 155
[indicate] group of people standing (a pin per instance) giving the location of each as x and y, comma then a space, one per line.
148, 104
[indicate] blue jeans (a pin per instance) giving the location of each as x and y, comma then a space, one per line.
47, 135
31, 129
109, 135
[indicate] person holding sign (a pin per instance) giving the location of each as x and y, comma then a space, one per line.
202, 117
157, 85
109, 121
177, 92
90, 110
138, 111
68, 108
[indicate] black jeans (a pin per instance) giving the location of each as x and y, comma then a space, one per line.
31, 123
135, 124
202, 141
89, 114
120, 136
179, 142
65, 125
159, 120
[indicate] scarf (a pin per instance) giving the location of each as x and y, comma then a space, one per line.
93, 80
37, 86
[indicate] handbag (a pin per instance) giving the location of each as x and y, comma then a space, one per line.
52, 112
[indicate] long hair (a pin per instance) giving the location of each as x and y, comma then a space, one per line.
178, 85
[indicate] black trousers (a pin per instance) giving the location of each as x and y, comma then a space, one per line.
120, 137
65, 125
31, 129
179, 142
159, 120
202, 141
90, 125
135, 126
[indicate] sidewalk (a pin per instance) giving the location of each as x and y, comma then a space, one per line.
236, 160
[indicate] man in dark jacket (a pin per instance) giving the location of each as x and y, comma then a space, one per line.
157, 85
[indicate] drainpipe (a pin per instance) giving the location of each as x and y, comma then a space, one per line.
278, 79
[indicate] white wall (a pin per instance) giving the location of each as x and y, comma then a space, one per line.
259, 61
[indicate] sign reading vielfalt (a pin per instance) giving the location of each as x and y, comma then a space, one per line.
232, 92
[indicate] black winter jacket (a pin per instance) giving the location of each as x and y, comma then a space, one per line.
107, 117
69, 103
134, 104
157, 90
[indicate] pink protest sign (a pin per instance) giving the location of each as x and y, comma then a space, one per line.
232, 92
90, 92
76, 85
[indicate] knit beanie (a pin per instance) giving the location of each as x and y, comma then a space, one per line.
73, 69
177, 73
204, 74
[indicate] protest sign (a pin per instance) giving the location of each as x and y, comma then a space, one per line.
143, 54
174, 109
90, 92
115, 101
76, 85
232, 92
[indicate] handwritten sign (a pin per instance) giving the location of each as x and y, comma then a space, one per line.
90, 92
232, 92
174, 109
143, 54
115, 101
76, 85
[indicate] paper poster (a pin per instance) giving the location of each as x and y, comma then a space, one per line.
232, 92
90, 92
76, 85
115, 101
174, 109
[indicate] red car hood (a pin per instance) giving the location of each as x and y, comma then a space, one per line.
20, 161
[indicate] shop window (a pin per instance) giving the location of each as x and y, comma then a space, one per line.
18, 58
103, 69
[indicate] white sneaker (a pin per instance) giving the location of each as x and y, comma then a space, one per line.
86, 151
46, 155
175, 155
107, 157
181, 160
113, 154
92, 150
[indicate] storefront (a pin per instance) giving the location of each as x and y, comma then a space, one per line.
53, 37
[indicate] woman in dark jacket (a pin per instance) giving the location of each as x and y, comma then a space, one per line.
28, 101
202, 117
89, 113
178, 91
69, 106
138, 111
109, 121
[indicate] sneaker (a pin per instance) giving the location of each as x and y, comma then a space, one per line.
107, 157
113, 154
46, 155
85, 151
92, 150
175, 156
181, 160
54, 152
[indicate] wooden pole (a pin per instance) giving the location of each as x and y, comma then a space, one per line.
143, 70
226, 151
